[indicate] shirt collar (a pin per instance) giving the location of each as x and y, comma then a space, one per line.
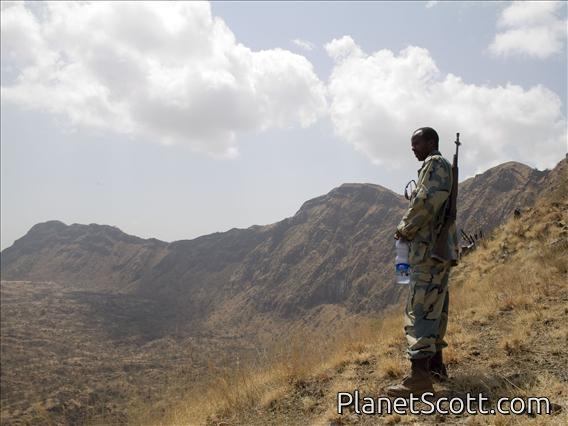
434, 152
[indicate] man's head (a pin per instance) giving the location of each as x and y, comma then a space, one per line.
424, 140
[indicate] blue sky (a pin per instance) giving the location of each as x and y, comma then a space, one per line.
175, 120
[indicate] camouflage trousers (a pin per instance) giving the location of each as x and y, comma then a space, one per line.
426, 314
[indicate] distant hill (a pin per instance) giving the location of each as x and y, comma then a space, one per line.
336, 250
95, 256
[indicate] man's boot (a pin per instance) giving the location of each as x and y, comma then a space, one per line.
438, 370
416, 383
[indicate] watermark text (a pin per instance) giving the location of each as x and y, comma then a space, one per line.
471, 404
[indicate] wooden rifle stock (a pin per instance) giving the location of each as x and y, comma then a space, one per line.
440, 250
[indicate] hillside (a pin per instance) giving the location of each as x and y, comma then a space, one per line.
335, 250
507, 335
488, 199
94, 256
109, 320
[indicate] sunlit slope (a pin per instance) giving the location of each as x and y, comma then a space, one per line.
270, 321
507, 334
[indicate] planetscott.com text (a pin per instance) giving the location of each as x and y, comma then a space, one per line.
471, 404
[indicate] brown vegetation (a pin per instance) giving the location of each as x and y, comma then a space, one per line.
217, 330
507, 335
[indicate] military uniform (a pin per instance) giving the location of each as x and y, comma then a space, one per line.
426, 314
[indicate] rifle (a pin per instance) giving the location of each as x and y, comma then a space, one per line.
440, 250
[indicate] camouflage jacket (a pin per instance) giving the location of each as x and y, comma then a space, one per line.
425, 215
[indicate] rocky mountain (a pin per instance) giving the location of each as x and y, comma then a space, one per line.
95, 256
336, 250
94, 320
506, 336
332, 251
487, 199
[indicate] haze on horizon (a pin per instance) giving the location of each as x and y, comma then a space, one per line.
173, 120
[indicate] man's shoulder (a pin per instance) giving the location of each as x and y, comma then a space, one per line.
437, 159
437, 167
435, 156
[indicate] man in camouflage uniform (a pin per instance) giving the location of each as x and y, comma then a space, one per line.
426, 314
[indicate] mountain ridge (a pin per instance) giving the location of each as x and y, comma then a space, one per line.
336, 249
103, 316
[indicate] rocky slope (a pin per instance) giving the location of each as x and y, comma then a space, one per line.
117, 317
95, 256
507, 333
488, 199
337, 249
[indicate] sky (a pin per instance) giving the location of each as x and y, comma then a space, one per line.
175, 120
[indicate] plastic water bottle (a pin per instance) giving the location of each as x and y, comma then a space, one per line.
402, 268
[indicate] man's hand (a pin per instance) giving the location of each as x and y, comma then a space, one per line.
397, 235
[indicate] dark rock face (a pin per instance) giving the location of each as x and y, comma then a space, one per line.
488, 199
337, 249
320, 256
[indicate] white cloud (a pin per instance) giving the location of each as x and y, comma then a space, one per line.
532, 28
166, 71
306, 45
343, 48
431, 4
377, 101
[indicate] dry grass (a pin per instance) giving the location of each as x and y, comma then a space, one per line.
507, 335
504, 298
515, 286
261, 384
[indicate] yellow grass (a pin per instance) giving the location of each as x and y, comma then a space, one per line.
507, 284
